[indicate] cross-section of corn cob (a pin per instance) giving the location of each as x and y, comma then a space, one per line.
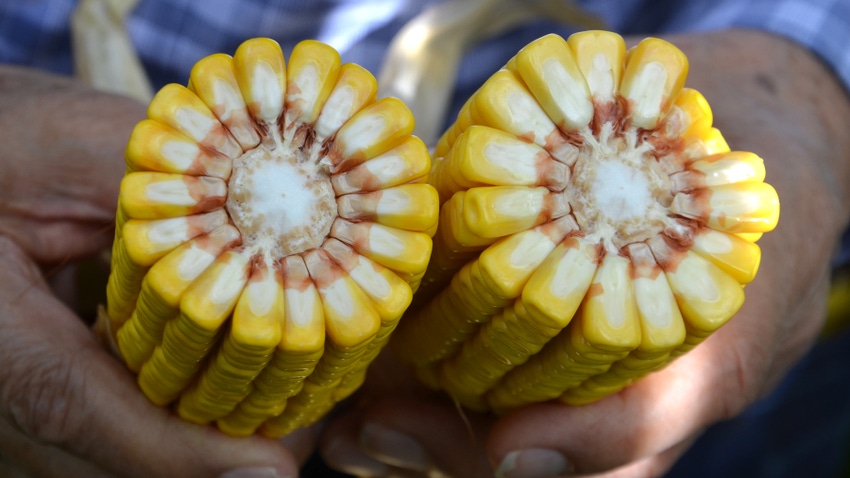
272, 226
594, 226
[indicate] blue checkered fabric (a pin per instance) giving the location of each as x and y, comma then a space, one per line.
171, 35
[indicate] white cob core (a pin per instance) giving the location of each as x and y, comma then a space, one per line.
281, 199
618, 192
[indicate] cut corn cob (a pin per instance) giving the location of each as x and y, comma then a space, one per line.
272, 226
594, 226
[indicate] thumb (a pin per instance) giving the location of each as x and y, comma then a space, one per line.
426, 434
646, 427
59, 388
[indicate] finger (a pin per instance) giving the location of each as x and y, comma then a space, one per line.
301, 443
59, 179
50, 241
655, 465
426, 435
73, 167
341, 443
643, 420
22, 457
340, 446
58, 388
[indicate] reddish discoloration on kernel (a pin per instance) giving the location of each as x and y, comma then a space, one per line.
571, 242
294, 108
676, 122
259, 269
600, 253
721, 220
305, 135
278, 273
554, 206
668, 253
661, 143
683, 235
603, 112
356, 179
202, 223
555, 140
527, 137
359, 207
295, 275
594, 290
340, 160
255, 108
571, 136
558, 229
208, 203
699, 204
551, 174
687, 181
355, 235
219, 139
222, 237
345, 256
334, 154
210, 163
643, 264
206, 242
235, 118
673, 162
616, 112
229, 256
201, 190
322, 268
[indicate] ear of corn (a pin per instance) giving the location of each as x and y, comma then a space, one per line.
594, 226
271, 229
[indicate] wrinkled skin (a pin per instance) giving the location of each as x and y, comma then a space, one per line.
67, 407
768, 96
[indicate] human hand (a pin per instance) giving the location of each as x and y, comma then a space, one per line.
768, 96
68, 408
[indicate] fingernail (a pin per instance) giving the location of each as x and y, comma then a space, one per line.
352, 460
533, 463
394, 448
253, 472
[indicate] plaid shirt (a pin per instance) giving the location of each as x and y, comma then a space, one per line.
171, 35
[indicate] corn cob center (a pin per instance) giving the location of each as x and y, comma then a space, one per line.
281, 199
618, 192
